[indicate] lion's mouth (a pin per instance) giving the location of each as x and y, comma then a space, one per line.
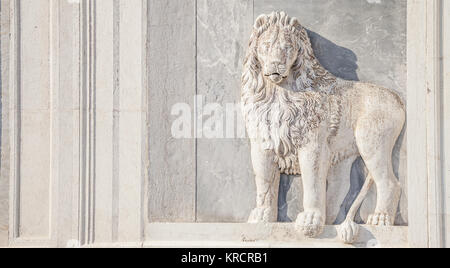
276, 77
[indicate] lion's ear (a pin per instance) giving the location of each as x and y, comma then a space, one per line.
295, 23
260, 21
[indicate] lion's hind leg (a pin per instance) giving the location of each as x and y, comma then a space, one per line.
375, 138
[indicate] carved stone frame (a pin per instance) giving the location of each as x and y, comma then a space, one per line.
427, 38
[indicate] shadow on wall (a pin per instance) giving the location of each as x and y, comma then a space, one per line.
342, 62
338, 60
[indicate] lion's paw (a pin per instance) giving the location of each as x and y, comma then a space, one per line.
311, 223
379, 219
348, 231
263, 215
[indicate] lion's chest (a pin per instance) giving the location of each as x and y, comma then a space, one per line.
282, 122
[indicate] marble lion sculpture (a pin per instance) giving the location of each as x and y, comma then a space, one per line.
303, 120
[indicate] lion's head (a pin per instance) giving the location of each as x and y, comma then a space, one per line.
280, 50
278, 46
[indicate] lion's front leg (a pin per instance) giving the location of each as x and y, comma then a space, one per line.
267, 185
314, 164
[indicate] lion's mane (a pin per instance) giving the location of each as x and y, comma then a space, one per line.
281, 118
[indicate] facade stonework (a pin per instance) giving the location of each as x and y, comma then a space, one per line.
87, 153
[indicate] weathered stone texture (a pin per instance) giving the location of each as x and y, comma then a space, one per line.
4, 81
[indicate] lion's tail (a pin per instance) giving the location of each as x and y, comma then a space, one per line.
361, 196
348, 230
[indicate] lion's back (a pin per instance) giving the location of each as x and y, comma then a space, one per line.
366, 98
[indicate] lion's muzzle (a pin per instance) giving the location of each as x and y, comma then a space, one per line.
276, 72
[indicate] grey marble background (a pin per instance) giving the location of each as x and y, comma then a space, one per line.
361, 40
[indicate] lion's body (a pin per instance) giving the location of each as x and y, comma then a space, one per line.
303, 120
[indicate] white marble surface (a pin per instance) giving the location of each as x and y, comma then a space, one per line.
4, 183
359, 35
4, 82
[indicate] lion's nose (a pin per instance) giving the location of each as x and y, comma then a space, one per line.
279, 67
276, 64
275, 67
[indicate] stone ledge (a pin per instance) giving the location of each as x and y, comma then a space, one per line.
276, 235
241, 235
